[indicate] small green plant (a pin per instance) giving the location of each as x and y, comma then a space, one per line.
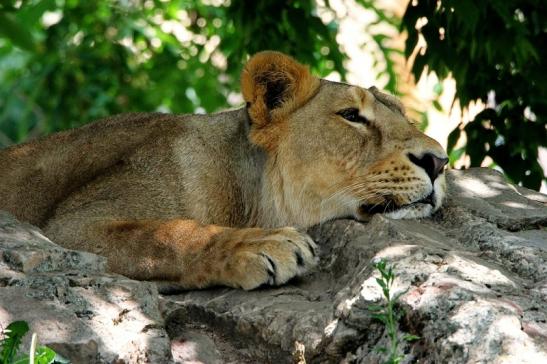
10, 342
388, 314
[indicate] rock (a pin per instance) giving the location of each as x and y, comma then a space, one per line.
475, 277
78, 310
473, 284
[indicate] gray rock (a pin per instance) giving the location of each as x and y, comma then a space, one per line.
473, 280
475, 277
83, 313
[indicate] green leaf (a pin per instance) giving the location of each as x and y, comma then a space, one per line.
17, 33
438, 88
400, 294
44, 355
381, 283
379, 317
31, 14
380, 265
380, 349
437, 106
424, 123
453, 138
58, 359
455, 155
375, 307
410, 337
14, 334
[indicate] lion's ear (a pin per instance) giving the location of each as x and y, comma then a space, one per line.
273, 85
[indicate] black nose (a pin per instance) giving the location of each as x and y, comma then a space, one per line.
432, 164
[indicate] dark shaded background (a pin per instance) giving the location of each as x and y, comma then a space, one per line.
64, 63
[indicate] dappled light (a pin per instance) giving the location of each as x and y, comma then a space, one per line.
5, 318
478, 187
464, 284
494, 56
64, 64
502, 336
515, 205
491, 194
420, 253
396, 251
185, 351
468, 269
71, 304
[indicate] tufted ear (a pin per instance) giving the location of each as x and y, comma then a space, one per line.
273, 85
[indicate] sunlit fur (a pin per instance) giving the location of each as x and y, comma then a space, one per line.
327, 167
212, 199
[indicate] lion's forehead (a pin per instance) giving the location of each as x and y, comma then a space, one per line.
366, 99
391, 102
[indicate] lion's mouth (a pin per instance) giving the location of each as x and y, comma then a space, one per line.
390, 205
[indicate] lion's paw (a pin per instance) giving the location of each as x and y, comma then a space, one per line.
270, 257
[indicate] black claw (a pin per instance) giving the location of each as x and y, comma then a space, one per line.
271, 273
299, 258
312, 249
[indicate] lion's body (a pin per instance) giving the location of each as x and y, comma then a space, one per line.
206, 199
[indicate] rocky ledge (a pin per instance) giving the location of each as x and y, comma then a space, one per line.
473, 280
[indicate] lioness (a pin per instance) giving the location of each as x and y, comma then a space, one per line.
214, 199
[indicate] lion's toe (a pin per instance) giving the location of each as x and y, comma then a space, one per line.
272, 260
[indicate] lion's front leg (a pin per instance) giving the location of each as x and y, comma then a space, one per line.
193, 254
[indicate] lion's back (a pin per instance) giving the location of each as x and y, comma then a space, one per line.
38, 174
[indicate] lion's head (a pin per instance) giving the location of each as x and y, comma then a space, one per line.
338, 150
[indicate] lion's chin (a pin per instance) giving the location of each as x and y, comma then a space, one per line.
423, 207
413, 211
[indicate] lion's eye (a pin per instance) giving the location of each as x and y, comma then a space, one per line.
352, 115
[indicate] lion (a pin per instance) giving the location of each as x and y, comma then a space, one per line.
224, 199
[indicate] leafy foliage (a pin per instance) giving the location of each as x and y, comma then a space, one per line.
66, 62
386, 54
10, 343
495, 52
388, 314
43, 355
13, 335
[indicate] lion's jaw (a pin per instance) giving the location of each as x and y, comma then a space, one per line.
419, 209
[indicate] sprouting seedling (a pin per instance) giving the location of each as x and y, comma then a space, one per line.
10, 343
12, 337
388, 314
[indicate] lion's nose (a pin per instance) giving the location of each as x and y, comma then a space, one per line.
432, 164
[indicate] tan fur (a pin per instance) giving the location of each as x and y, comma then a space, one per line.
209, 199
